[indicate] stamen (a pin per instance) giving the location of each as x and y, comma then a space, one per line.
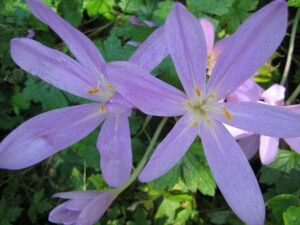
110, 86
209, 121
226, 113
102, 108
94, 90
213, 96
198, 91
195, 124
189, 103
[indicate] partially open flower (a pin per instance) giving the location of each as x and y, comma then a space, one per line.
83, 207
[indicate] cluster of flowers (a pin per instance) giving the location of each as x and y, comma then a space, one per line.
225, 106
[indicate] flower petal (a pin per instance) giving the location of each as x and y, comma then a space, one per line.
274, 95
249, 91
152, 51
48, 133
294, 143
78, 194
114, 145
249, 48
96, 208
53, 67
187, 47
236, 132
262, 119
170, 150
149, 94
209, 33
60, 213
249, 145
80, 45
268, 149
233, 174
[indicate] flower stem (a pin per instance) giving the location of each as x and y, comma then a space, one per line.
291, 48
143, 161
293, 96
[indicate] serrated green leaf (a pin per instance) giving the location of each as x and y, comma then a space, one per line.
209, 6
295, 3
292, 216
169, 179
166, 211
286, 161
162, 12
71, 10
103, 7
269, 175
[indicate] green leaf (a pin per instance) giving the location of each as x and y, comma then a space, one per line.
103, 7
169, 179
237, 13
97, 182
269, 175
280, 204
209, 6
219, 217
71, 10
295, 3
39, 91
162, 12
292, 216
166, 211
286, 161
18, 101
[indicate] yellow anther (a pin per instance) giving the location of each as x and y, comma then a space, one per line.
198, 91
102, 108
94, 90
226, 113
110, 86
195, 124
213, 96
189, 103
209, 121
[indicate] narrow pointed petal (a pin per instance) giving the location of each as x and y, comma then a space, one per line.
53, 67
170, 150
114, 145
209, 33
294, 143
80, 45
96, 208
77, 194
250, 145
236, 132
233, 174
48, 133
249, 48
152, 51
268, 149
187, 48
274, 95
59, 213
262, 119
149, 94
249, 91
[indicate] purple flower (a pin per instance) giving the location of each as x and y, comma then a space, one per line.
268, 146
203, 111
83, 207
50, 132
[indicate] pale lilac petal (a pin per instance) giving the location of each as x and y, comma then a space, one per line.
76, 204
294, 143
262, 119
268, 149
53, 67
152, 51
31, 34
249, 48
249, 145
187, 47
170, 150
233, 174
80, 45
59, 213
135, 21
209, 33
274, 95
219, 47
294, 108
48, 133
150, 23
149, 94
114, 145
96, 208
78, 194
133, 43
236, 132
248, 91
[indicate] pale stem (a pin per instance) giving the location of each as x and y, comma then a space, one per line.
293, 96
291, 48
143, 161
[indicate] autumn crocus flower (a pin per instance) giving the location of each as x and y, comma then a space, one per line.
50, 132
83, 207
203, 112
268, 146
